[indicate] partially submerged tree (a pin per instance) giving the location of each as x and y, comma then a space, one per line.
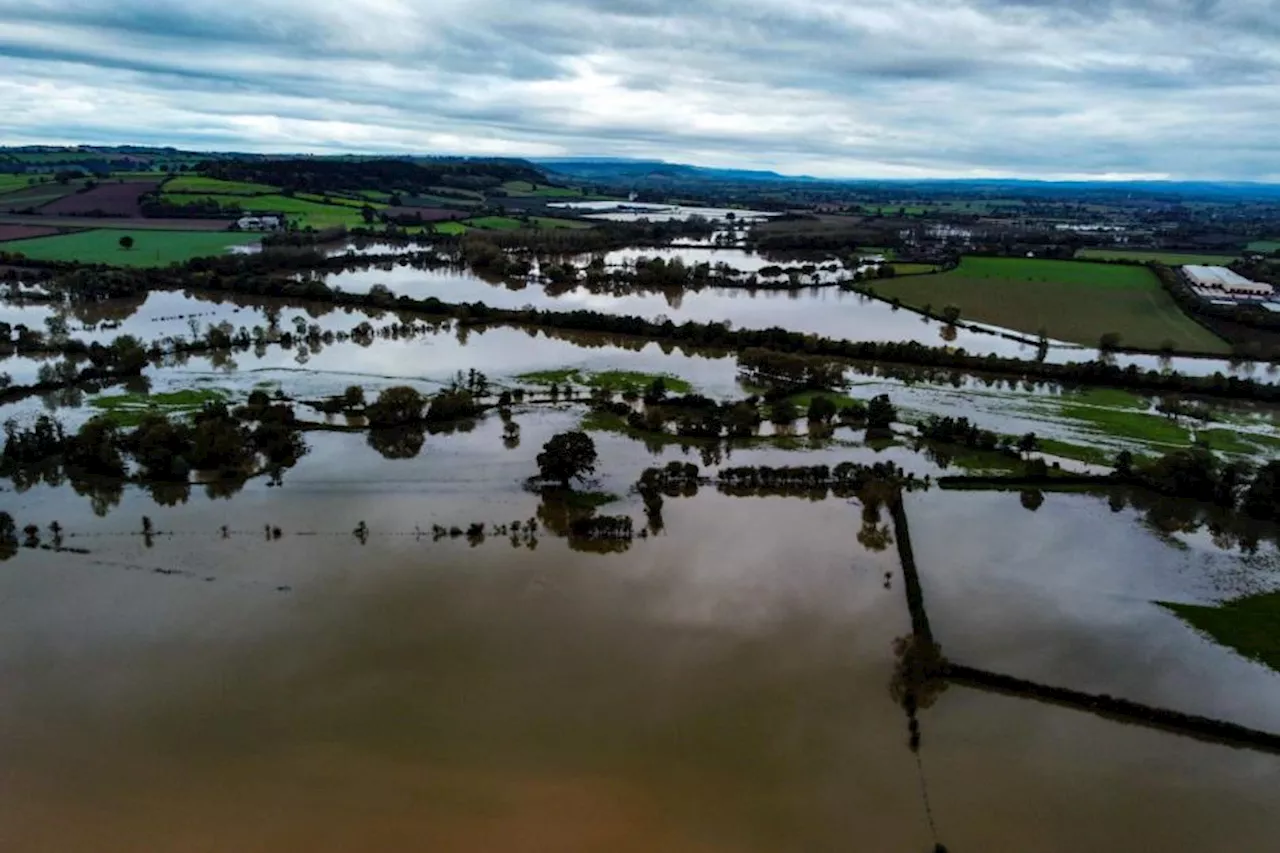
567, 456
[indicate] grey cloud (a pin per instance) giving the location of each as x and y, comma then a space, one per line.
1023, 87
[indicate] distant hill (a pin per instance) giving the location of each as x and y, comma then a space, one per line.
654, 171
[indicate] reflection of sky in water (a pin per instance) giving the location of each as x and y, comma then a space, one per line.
1064, 595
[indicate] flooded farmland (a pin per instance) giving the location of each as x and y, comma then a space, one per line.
378, 649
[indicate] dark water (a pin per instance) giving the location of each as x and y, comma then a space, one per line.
723, 686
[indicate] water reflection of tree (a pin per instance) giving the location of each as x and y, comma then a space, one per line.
873, 535
397, 442
168, 493
104, 493
560, 509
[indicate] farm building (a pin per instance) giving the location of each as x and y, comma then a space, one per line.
258, 223
1219, 282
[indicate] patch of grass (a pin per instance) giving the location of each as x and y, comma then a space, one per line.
525, 188
198, 185
1070, 300
1267, 246
612, 380
128, 409
357, 203
1173, 259
300, 211
1137, 426
495, 223
150, 248
1113, 397
9, 183
451, 228
1230, 441
1250, 625
1079, 452
804, 398
914, 269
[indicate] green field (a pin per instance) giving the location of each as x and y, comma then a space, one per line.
914, 269
212, 186
299, 210
495, 223
1070, 300
150, 248
1267, 246
340, 200
524, 188
551, 222
1249, 625
1173, 259
9, 183
451, 228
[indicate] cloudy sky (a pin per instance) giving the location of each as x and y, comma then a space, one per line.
835, 88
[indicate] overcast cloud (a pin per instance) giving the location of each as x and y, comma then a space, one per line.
875, 88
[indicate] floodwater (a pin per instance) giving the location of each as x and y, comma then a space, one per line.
634, 211
724, 686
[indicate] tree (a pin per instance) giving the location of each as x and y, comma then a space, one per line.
784, 412
1109, 341
368, 214
951, 314
126, 242
353, 397
395, 407
1028, 443
821, 410
1124, 464
1031, 499
8, 536
881, 413
567, 456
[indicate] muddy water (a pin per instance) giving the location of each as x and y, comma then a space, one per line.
724, 686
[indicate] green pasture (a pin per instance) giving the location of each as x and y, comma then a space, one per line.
1267, 246
300, 211
450, 228
1173, 259
1250, 625
495, 223
526, 188
150, 248
1069, 300
198, 185
9, 183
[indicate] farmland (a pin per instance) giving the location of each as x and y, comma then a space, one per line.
102, 246
37, 195
103, 200
23, 232
300, 211
198, 185
1173, 259
1069, 300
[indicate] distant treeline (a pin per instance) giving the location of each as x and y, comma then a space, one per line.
404, 176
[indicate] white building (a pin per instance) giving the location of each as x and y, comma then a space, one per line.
258, 223
1216, 282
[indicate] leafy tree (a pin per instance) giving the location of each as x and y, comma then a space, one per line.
395, 407
1109, 342
8, 536
784, 412
353, 397
951, 314
821, 410
1124, 464
1032, 499
126, 242
1028, 443
881, 413
567, 456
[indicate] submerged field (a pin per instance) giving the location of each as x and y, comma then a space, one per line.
151, 248
1067, 300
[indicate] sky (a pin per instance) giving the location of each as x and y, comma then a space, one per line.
1054, 89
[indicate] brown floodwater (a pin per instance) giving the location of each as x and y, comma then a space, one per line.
724, 686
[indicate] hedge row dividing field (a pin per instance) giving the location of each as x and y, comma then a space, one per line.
1070, 300
1173, 259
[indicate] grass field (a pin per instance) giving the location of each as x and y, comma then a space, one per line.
299, 210
341, 200
495, 223
1265, 245
1173, 259
150, 248
450, 228
524, 188
914, 269
9, 183
1249, 625
1070, 300
551, 222
36, 195
212, 186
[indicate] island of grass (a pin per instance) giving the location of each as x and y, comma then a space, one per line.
1069, 300
614, 381
150, 248
1250, 625
127, 409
